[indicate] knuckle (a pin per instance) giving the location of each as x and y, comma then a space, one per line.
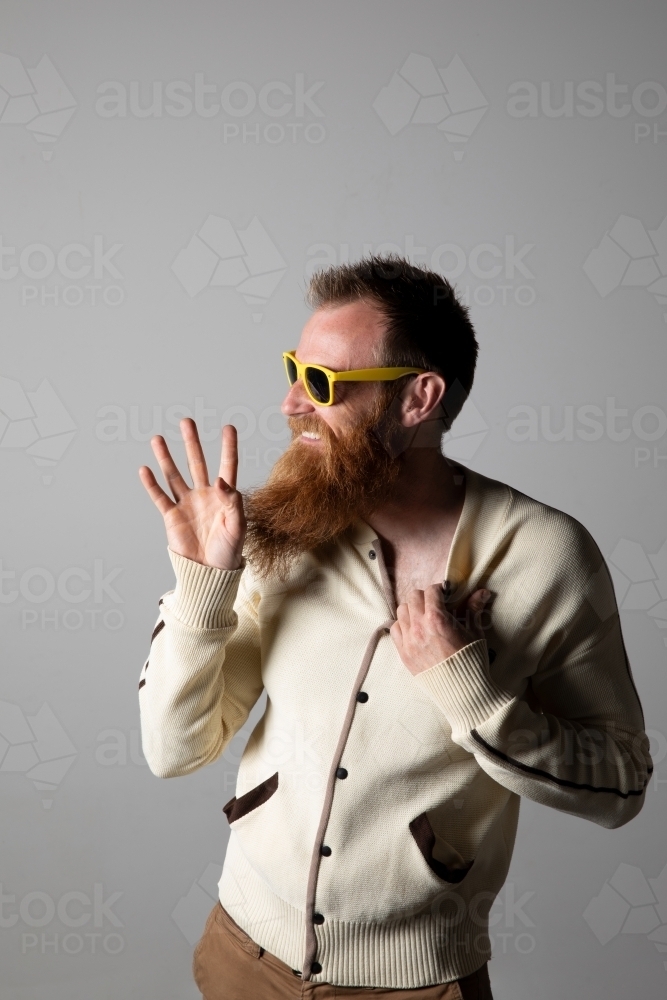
433, 618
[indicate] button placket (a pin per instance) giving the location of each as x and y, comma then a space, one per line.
311, 966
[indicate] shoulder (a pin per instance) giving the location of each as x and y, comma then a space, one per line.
560, 542
550, 558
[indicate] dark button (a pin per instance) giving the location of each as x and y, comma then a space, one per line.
386, 631
362, 696
315, 968
318, 918
341, 772
372, 554
325, 851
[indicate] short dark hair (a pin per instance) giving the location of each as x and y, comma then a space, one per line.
428, 326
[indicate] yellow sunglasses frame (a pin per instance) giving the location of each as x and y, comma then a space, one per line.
356, 375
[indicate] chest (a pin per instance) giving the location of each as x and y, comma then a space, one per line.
417, 566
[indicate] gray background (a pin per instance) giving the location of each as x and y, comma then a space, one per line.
121, 350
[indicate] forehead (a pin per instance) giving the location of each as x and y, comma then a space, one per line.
343, 336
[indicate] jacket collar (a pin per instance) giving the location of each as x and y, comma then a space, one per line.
484, 510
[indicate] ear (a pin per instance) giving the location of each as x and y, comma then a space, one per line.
421, 400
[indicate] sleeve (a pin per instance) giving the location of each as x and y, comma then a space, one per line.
573, 738
203, 673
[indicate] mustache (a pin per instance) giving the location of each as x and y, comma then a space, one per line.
309, 422
369, 424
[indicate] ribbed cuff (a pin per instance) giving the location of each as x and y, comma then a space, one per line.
461, 686
204, 595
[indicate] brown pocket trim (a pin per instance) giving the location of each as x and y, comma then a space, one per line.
422, 831
236, 808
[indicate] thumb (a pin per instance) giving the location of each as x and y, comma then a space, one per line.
478, 599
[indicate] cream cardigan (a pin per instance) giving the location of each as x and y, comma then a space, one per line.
376, 812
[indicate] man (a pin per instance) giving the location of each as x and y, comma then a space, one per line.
378, 797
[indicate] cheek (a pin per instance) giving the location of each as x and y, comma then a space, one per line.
339, 418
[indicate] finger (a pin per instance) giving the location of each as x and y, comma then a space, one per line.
155, 492
227, 494
229, 456
232, 507
194, 452
396, 632
175, 481
403, 615
416, 603
479, 599
434, 597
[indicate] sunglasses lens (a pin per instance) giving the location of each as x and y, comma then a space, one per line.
291, 370
318, 384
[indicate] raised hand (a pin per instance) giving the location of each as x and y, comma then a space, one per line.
207, 523
425, 632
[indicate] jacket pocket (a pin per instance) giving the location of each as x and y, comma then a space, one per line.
236, 808
455, 868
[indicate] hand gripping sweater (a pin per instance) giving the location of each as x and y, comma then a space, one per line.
375, 811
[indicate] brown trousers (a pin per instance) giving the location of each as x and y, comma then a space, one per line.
229, 965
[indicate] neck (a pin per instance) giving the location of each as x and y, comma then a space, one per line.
427, 496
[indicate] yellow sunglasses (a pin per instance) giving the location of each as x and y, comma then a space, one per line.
319, 381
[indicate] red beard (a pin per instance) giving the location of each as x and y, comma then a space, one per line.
314, 493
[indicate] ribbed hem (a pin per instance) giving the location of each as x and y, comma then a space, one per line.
204, 596
403, 954
400, 954
461, 686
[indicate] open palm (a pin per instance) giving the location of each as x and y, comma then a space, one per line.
206, 523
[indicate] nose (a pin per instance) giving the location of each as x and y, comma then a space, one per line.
297, 401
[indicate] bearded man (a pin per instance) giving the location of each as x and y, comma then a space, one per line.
377, 798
